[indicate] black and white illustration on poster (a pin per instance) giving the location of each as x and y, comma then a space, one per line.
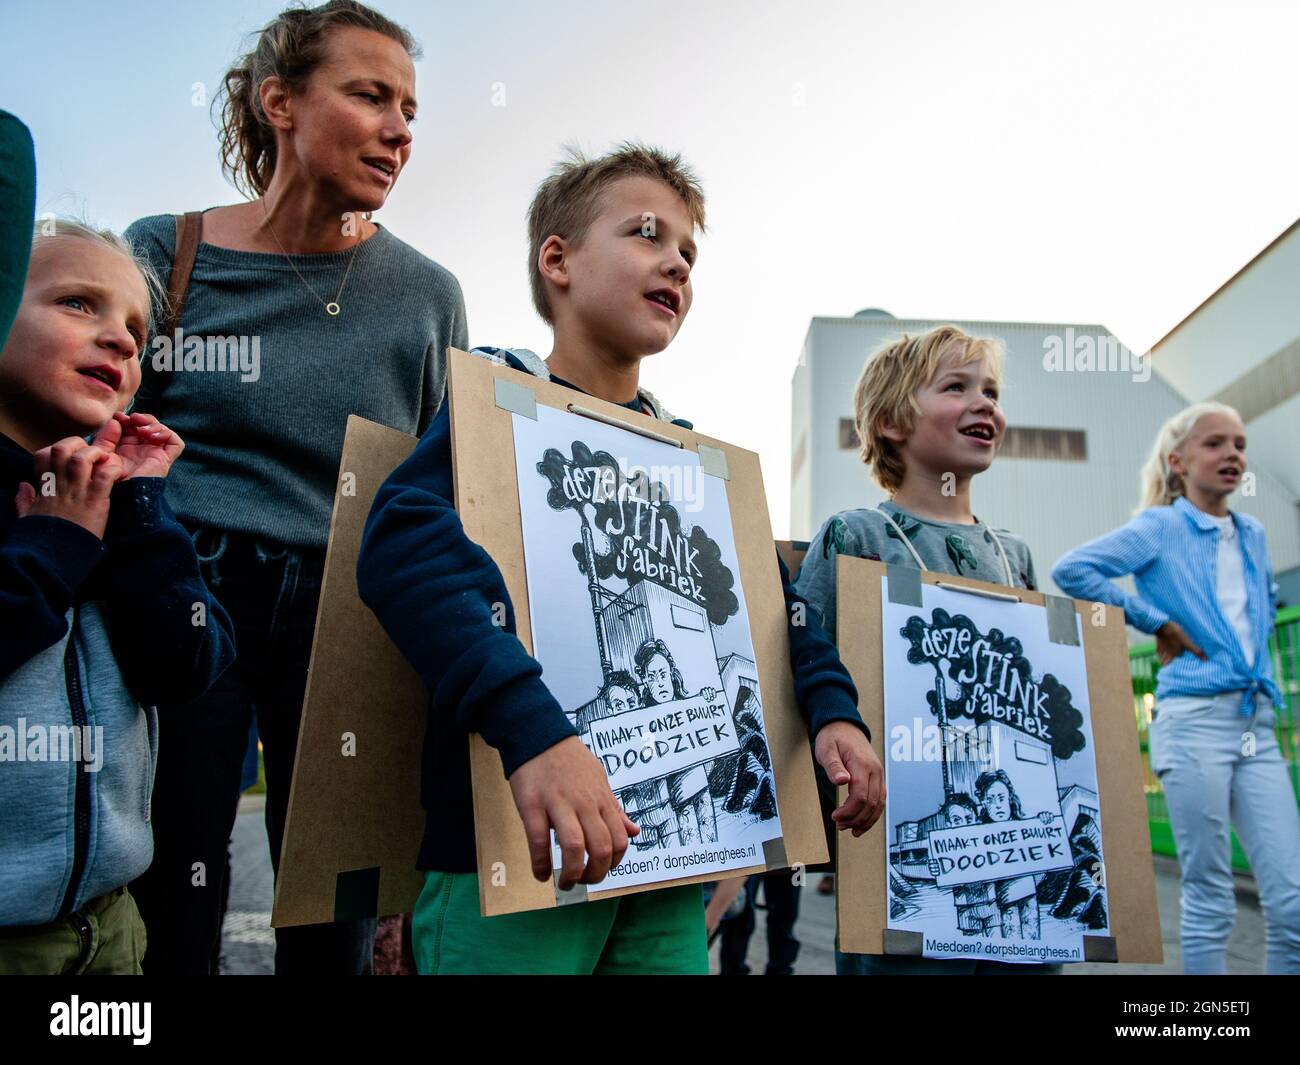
639, 621
995, 848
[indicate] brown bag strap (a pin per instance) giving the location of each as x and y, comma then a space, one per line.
189, 230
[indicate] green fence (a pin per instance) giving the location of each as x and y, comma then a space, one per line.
1285, 649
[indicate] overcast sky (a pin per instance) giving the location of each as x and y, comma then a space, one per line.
1100, 162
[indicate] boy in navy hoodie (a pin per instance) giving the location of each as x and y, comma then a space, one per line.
102, 605
611, 253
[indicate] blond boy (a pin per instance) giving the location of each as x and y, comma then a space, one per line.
927, 412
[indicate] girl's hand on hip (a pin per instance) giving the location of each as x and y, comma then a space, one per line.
1172, 641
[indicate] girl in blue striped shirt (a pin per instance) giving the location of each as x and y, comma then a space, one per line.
1205, 590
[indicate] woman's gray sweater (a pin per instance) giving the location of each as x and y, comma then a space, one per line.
262, 381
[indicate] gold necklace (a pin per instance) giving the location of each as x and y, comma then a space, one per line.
332, 308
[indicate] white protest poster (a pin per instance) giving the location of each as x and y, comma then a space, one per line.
639, 621
995, 848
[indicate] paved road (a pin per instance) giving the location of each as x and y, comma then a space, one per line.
248, 944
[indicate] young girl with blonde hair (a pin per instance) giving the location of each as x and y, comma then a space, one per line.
1205, 590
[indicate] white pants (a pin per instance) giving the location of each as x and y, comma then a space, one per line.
1201, 752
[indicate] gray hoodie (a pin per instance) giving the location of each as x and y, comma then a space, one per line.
944, 547
96, 633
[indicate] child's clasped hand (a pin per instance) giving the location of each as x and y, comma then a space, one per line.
74, 479
146, 447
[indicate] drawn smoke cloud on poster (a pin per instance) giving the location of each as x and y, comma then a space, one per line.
639, 621
995, 846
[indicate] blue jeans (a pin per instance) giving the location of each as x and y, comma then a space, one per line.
1218, 767
271, 593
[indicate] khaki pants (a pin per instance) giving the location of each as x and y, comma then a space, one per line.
104, 938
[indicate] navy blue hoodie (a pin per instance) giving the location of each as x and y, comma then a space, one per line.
433, 590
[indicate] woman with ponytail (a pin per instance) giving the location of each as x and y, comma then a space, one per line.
290, 311
1205, 590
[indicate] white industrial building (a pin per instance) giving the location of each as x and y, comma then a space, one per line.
1079, 430
1242, 347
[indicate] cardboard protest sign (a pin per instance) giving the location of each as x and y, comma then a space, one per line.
355, 821
655, 578
1015, 827
642, 630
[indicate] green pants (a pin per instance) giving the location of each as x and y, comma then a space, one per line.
653, 932
104, 938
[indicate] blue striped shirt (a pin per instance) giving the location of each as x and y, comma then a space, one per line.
1172, 553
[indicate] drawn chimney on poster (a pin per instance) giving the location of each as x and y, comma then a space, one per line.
597, 593
941, 705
